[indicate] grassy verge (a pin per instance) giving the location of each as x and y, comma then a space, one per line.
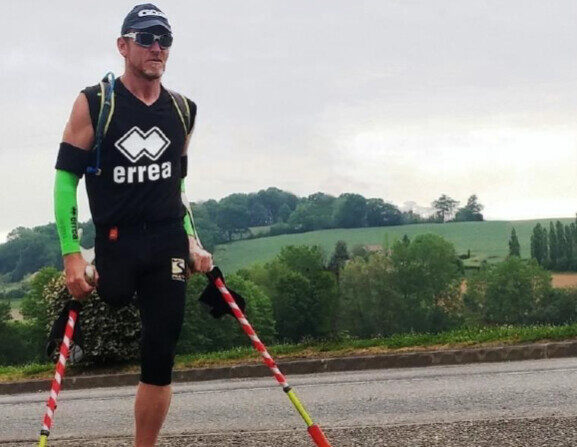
458, 338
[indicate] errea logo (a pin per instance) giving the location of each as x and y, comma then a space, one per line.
151, 12
136, 144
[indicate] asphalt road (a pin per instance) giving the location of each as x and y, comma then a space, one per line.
532, 403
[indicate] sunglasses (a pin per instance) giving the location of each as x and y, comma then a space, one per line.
145, 39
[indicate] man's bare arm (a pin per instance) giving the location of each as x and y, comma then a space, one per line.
78, 131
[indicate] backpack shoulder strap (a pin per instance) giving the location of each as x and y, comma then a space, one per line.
107, 98
181, 106
104, 117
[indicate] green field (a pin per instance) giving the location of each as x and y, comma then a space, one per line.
486, 240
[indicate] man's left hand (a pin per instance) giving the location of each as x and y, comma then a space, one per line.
200, 259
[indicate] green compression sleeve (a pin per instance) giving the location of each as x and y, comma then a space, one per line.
188, 216
66, 211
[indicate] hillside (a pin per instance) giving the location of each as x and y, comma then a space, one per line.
486, 240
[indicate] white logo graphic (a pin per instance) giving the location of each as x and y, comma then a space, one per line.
135, 144
151, 12
140, 174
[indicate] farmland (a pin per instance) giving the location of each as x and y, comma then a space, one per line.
486, 240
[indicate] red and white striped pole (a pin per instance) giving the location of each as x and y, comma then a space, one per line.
59, 374
314, 430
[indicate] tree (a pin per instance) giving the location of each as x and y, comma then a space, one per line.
259, 215
273, 199
514, 246
4, 314
562, 246
303, 218
539, 244
509, 292
410, 217
350, 211
34, 308
284, 212
339, 258
27, 250
313, 213
571, 246
415, 287
210, 208
370, 304
427, 273
381, 214
445, 207
553, 247
303, 293
471, 211
233, 215
202, 333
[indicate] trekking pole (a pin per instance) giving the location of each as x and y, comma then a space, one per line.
59, 373
313, 429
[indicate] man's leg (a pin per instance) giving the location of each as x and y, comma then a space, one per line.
150, 409
161, 295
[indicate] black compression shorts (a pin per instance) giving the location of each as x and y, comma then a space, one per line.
149, 261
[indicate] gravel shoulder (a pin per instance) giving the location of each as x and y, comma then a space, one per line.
549, 431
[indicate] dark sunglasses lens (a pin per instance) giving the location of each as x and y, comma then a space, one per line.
145, 39
165, 40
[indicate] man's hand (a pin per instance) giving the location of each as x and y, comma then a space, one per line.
76, 280
200, 259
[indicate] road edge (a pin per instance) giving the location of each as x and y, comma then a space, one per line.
532, 351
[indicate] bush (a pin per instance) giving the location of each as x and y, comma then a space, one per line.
428, 274
109, 334
112, 334
510, 292
303, 293
19, 344
371, 306
559, 306
280, 228
203, 333
414, 288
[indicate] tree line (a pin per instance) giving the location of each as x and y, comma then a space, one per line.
416, 285
231, 218
555, 248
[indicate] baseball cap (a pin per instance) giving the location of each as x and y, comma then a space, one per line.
145, 16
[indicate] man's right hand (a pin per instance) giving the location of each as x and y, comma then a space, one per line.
75, 268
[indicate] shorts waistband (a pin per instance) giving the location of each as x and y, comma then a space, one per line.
140, 228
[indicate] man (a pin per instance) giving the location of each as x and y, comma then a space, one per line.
144, 236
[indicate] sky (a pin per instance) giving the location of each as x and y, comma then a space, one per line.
402, 100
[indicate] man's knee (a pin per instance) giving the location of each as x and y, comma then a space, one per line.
157, 370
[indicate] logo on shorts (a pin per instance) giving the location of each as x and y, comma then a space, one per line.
136, 144
178, 269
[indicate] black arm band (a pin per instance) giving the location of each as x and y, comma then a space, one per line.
72, 159
183, 166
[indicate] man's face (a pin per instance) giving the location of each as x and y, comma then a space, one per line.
148, 62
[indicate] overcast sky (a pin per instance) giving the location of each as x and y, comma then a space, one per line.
403, 100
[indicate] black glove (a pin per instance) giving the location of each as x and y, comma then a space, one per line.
57, 334
213, 298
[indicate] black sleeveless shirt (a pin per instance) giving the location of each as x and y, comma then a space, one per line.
140, 160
